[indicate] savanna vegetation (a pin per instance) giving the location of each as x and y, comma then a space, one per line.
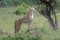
10, 8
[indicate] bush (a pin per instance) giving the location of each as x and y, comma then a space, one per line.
22, 36
22, 9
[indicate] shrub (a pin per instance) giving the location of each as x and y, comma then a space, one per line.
22, 9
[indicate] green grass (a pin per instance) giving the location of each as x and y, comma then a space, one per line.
39, 23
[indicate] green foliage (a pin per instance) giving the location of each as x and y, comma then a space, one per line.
4, 3
22, 9
23, 36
